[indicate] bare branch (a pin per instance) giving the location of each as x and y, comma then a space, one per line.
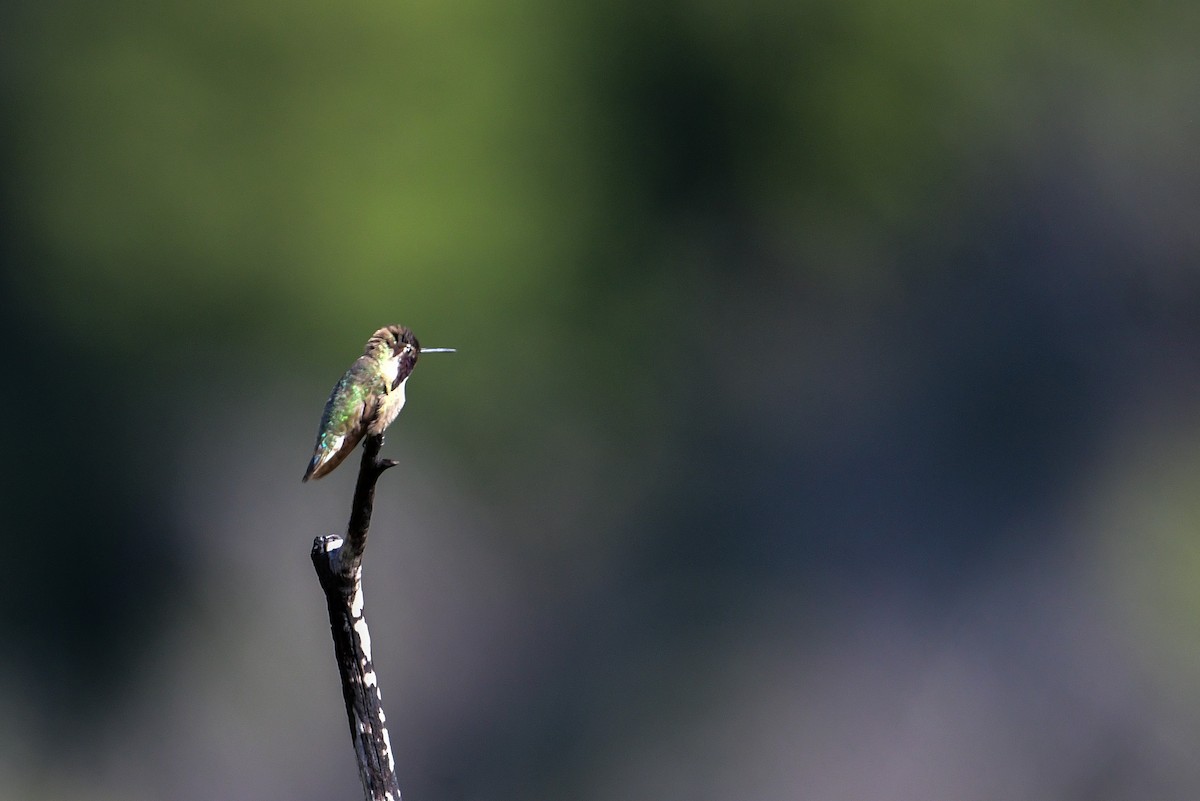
338, 562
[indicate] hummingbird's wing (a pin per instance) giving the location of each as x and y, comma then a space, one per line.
351, 407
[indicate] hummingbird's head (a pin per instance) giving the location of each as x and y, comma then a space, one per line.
394, 342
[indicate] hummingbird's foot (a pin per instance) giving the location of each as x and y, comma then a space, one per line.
372, 445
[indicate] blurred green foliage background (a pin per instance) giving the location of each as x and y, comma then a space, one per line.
826, 421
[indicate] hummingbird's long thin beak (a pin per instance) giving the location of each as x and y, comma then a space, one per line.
439, 350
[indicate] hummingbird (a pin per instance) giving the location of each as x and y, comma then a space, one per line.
367, 398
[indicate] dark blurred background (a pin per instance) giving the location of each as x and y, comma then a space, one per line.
826, 421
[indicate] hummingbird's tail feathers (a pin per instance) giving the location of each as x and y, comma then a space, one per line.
313, 464
329, 455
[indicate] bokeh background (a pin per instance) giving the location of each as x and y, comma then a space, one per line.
826, 421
